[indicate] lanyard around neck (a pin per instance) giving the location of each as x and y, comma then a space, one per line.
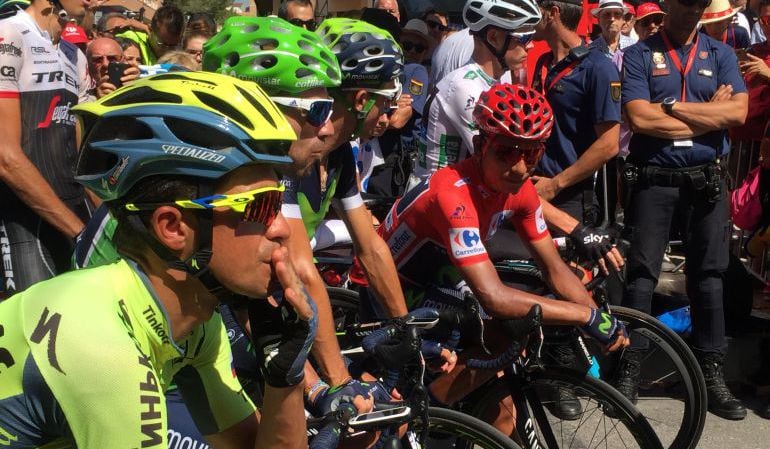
674, 57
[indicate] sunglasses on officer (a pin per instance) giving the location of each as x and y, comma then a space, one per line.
511, 151
309, 25
317, 111
256, 206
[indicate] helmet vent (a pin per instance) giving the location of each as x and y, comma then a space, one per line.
357, 37
223, 108
374, 66
258, 106
232, 59
200, 136
264, 44
302, 73
264, 62
142, 94
349, 64
279, 29
248, 29
373, 50
305, 45
310, 61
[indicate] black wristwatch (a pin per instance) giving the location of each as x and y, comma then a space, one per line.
668, 105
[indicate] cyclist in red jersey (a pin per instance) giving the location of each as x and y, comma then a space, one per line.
437, 231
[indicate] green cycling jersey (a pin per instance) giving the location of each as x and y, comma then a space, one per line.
85, 359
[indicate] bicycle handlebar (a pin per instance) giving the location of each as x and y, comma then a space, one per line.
517, 330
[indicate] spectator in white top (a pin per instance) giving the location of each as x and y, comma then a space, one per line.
611, 15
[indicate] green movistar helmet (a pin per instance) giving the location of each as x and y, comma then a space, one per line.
368, 55
277, 55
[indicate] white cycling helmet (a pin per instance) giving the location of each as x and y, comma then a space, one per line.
518, 16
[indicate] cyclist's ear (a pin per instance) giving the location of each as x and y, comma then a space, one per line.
360, 99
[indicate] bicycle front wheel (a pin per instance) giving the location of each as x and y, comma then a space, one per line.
451, 429
672, 390
607, 419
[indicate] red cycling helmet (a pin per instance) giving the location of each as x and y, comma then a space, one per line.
514, 111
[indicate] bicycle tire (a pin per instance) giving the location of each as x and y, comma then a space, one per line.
696, 402
590, 390
456, 430
524, 275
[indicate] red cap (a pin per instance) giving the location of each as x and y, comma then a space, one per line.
646, 9
630, 7
74, 34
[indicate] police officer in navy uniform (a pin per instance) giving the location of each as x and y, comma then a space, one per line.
681, 91
583, 87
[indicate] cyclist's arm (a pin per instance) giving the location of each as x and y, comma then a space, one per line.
21, 175
501, 301
326, 349
564, 222
559, 276
376, 260
282, 424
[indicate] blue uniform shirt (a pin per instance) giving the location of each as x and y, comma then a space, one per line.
649, 74
587, 94
736, 36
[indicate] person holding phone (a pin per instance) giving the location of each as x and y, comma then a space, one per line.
107, 67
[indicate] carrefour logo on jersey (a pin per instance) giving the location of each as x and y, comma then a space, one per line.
465, 242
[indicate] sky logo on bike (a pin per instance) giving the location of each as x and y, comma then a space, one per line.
465, 242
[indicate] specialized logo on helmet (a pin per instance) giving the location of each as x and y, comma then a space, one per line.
465, 242
197, 153
113, 178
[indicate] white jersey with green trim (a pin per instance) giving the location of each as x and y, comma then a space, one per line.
449, 130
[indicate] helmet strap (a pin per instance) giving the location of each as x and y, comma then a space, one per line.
498, 54
360, 115
197, 264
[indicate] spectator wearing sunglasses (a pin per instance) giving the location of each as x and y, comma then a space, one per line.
717, 22
649, 20
165, 34
437, 22
682, 91
500, 32
417, 44
629, 19
299, 13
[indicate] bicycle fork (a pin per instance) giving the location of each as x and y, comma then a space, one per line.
524, 399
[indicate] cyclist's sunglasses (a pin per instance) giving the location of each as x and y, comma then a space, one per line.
522, 39
318, 111
436, 25
702, 3
511, 152
258, 206
309, 25
409, 46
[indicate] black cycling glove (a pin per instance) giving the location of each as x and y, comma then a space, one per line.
603, 327
591, 243
282, 340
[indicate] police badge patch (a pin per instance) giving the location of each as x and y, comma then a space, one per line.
615, 90
415, 87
